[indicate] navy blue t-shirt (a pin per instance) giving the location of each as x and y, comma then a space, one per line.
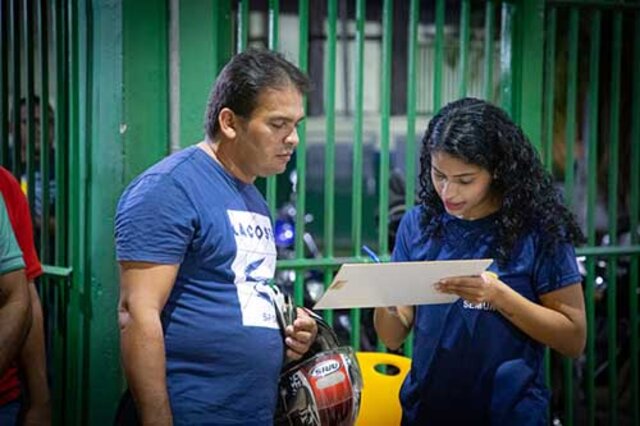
470, 364
224, 349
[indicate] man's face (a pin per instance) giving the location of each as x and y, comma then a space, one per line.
266, 140
24, 129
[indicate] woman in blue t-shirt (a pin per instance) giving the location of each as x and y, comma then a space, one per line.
485, 194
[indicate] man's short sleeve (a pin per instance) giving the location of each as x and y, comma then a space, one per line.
556, 268
10, 254
155, 221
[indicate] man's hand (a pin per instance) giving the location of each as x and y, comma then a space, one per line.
300, 335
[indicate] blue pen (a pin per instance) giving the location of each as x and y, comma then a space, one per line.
371, 254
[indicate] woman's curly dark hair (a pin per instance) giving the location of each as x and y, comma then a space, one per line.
479, 133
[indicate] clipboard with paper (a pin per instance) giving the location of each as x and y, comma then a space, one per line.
368, 285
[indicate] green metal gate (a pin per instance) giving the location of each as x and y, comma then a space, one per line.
128, 82
592, 140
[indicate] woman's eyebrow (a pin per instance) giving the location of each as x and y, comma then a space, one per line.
457, 176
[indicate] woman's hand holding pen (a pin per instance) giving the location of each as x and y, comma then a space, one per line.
475, 289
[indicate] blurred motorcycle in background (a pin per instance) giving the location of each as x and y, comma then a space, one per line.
313, 279
622, 320
285, 237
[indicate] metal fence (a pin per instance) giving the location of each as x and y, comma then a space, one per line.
103, 89
592, 142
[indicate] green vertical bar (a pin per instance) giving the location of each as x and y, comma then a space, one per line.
74, 338
329, 153
145, 77
465, 16
634, 210
356, 184
205, 39
243, 25
4, 83
222, 36
301, 154
30, 101
592, 153
572, 90
614, 142
506, 65
274, 7
527, 94
569, 183
410, 145
84, 277
16, 73
274, 30
489, 24
59, 350
103, 108
439, 56
385, 118
549, 87
44, 129
61, 151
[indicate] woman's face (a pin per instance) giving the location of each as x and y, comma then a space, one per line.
464, 188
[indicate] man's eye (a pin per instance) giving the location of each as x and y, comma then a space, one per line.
278, 124
466, 182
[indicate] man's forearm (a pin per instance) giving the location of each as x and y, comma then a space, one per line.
144, 362
15, 316
32, 356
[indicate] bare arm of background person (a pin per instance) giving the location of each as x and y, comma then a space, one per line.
15, 315
144, 290
34, 365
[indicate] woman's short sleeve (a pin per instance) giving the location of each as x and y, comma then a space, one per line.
556, 268
406, 229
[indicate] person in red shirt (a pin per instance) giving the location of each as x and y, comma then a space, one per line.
36, 405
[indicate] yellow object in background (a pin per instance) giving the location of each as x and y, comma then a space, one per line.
380, 403
23, 185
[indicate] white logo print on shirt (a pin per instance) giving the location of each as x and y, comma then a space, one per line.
484, 306
253, 266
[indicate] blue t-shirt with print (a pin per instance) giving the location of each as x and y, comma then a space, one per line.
223, 346
470, 364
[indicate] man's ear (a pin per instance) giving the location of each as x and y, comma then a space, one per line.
228, 123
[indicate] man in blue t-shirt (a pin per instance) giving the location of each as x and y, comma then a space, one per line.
199, 336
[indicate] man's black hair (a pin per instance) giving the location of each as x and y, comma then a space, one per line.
242, 80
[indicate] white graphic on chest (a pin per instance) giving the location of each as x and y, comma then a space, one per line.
482, 306
253, 266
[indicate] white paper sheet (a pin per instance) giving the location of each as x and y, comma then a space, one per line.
364, 285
